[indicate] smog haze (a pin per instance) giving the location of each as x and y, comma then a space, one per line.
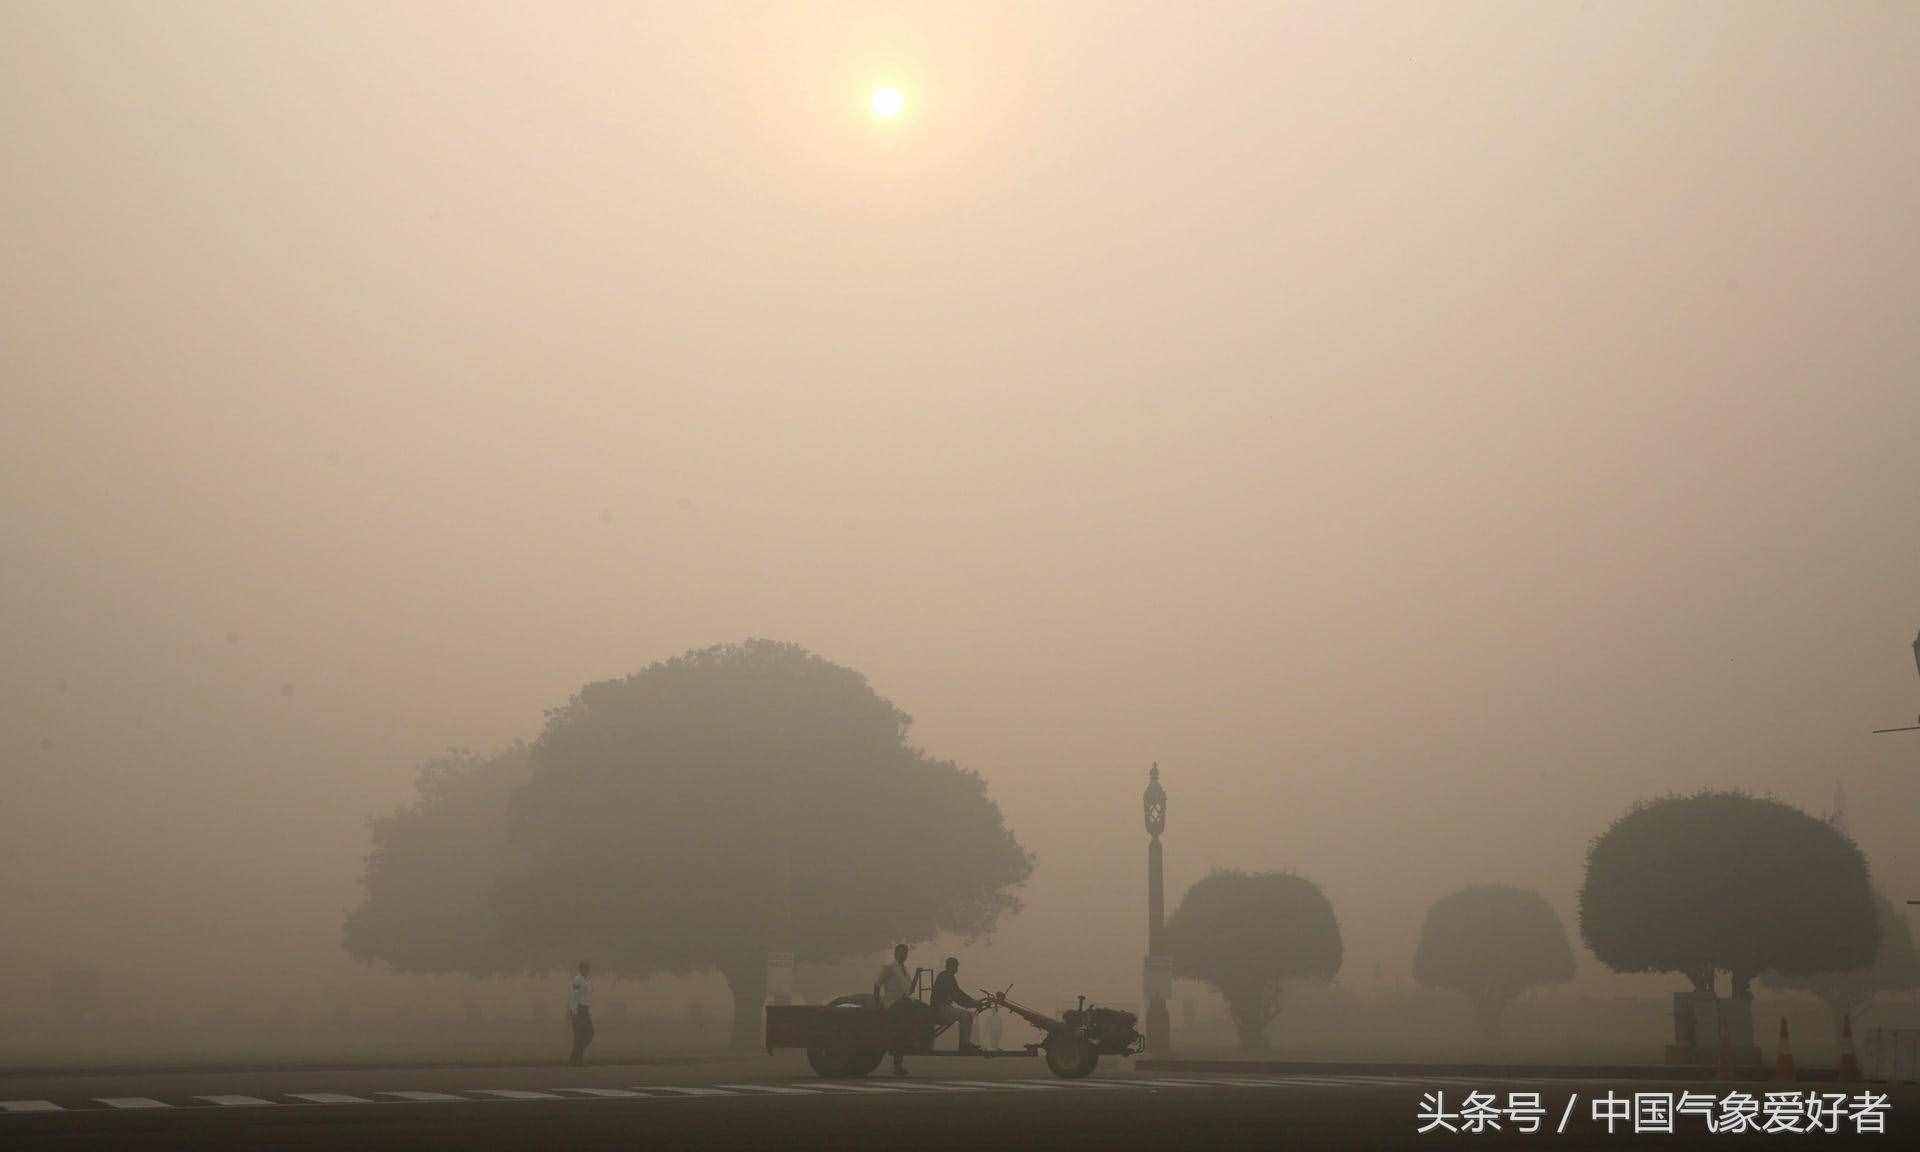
1422, 430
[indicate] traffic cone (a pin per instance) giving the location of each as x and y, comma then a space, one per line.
1783, 1062
1849, 1070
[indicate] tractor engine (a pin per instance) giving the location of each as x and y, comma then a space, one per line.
1110, 1029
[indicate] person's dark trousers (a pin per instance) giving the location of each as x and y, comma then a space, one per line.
906, 1025
582, 1035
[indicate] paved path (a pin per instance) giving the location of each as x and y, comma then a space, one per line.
949, 1104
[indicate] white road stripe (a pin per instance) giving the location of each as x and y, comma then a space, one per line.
426, 1097
30, 1106
1022, 1085
606, 1093
514, 1094
679, 1091
832, 1086
131, 1102
1172, 1083
329, 1098
932, 1086
1103, 1083
770, 1089
1302, 1082
237, 1101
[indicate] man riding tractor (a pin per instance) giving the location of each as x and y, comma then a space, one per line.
952, 1006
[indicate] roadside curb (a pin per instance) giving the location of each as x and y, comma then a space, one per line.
1490, 1071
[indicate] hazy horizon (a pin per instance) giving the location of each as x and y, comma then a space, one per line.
1422, 430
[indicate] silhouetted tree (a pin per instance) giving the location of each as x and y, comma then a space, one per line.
431, 875
701, 813
1491, 943
1245, 933
1725, 881
1895, 968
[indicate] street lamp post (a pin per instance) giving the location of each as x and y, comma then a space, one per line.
1158, 974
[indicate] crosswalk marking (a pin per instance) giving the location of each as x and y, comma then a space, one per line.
680, 1091
237, 1101
30, 1106
426, 1097
607, 1093
769, 1089
131, 1102
516, 1094
329, 1098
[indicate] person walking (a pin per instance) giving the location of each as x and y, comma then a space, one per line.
580, 1013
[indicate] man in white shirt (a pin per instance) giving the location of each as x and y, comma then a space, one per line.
580, 1013
892, 988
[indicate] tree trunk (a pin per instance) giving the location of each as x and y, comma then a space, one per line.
747, 979
1252, 1011
1252, 1030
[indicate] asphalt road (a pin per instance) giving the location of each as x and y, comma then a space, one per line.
775, 1103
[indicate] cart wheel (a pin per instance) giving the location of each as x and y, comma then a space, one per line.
1071, 1057
833, 1058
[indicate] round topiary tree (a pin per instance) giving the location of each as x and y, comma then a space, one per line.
1723, 881
1492, 942
1895, 968
1245, 933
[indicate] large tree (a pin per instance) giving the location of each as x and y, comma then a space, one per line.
1492, 942
1895, 968
1723, 881
720, 806
1245, 933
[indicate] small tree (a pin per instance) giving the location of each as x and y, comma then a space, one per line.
431, 874
1723, 881
1491, 943
1895, 968
1246, 933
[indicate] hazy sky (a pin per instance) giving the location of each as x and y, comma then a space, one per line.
1423, 428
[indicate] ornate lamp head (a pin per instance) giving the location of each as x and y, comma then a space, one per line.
1155, 802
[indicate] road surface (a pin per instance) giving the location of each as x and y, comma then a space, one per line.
948, 1103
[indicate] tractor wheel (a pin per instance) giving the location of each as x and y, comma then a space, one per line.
865, 1062
1071, 1057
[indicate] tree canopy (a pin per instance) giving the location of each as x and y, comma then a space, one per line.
1726, 881
1895, 968
1245, 933
1492, 942
702, 813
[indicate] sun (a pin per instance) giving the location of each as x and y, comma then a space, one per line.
887, 103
